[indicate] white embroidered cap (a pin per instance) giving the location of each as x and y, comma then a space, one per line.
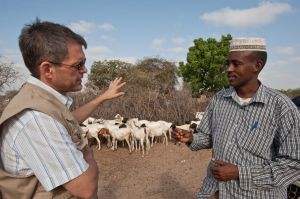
248, 44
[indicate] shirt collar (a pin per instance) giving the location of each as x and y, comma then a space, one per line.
66, 100
260, 95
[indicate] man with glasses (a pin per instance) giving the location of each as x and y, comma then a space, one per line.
43, 154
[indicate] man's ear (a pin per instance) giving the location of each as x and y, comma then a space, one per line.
46, 70
258, 65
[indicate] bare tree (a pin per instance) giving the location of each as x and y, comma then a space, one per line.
8, 74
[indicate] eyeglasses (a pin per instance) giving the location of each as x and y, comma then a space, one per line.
78, 66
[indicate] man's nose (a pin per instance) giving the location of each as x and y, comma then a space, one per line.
84, 69
229, 67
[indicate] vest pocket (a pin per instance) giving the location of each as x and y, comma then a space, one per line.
75, 132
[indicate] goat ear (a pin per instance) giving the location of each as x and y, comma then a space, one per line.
125, 120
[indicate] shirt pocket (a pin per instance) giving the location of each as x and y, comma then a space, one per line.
257, 139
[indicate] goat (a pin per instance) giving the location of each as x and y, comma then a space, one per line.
139, 134
119, 118
199, 115
94, 130
118, 133
158, 128
89, 120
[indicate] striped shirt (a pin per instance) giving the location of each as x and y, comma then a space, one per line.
261, 137
33, 143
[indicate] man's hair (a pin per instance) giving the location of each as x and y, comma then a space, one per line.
46, 41
261, 55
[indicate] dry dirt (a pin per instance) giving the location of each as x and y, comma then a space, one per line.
166, 172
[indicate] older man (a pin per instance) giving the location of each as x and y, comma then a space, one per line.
43, 154
253, 131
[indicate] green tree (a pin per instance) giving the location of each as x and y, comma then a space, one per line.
154, 74
102, 72
204, 70
149, 74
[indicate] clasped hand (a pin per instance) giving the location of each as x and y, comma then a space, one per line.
224, 171
221, 170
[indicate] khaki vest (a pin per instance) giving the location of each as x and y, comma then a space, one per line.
36, 98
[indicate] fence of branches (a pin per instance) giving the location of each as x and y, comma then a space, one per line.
176, 106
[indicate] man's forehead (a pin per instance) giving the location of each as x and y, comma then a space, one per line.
238, 54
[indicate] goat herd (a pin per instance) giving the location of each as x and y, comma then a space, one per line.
138, 134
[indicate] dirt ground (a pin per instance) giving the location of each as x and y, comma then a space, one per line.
166, 172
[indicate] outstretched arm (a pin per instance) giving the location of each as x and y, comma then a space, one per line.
113, 91
202, 139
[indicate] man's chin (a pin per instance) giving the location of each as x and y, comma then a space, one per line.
232, 83
77, 88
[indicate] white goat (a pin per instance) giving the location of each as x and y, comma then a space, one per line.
89, 120
197, 122
94, 130
122, 134
158, 129
119, 118
118, 133
139, 134
199, 115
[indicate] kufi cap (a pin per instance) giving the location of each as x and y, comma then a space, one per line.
247, 44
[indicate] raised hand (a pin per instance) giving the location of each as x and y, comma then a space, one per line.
113, 89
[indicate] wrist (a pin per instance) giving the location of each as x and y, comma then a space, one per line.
190, 138
100, 99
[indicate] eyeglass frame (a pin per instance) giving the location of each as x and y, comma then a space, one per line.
78, 66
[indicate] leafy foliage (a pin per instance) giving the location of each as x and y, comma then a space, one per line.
154, 74
204, 70
102, 72
291, 93
148, 74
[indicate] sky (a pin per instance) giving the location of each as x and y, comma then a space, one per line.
131, 30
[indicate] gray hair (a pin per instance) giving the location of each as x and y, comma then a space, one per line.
42, 41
